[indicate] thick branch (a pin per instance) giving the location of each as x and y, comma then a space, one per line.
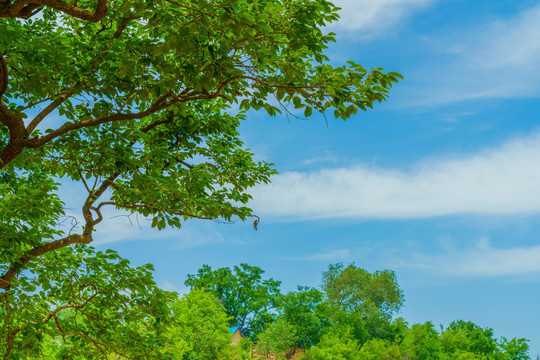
157, 106
25, 8
18, 137
3, 75
50, 108
5, 280
20, 140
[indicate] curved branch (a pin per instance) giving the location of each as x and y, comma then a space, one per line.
96, 344
3, 75
70, 9
5, 280
153, 208
20, 140
50, 108
157, 106
26, 8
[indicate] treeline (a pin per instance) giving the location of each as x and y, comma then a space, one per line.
350, 316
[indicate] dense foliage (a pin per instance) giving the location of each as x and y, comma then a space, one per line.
200, 328
337, 323
139, 103
246, 296
76, 302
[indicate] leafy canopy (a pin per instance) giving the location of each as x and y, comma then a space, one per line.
133, 100
200, 328
248, 298
93, 303
137, 105
357, 290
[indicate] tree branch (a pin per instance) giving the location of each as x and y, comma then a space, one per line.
160, 104
25, 8
50, 108
96, 344
5, 280
3, 75
142, 206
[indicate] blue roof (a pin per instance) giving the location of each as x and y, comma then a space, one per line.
234, 328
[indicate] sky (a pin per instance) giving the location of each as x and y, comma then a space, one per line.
441, 183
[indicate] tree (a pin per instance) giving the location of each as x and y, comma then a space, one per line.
515, 349
307, 312
135, 108
132, 100
335, 347
467, 336
375, 297
276, 338
80, 302
376, 349
200, 328
422, 342
247, 298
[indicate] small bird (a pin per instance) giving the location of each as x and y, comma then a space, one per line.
255, 223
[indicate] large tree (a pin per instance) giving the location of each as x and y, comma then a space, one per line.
200, 328
307, 312
137, 106
249, 300
372, 298
134, 101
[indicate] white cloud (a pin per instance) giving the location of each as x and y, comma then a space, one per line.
479, 261
331, 255
512, 43
498, 181
494, 60
373, 17
168, 286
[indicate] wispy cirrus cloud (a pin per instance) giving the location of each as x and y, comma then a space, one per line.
481, 260
497, 59
367, 18
330, 255
498, 181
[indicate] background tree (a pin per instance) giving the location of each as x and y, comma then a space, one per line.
466, 336
422, 342
335, 347
375, 297
378, 349
247, 297
277, 338
515, 349
307, 312
200, 328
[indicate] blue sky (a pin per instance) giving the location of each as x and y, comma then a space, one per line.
440, 183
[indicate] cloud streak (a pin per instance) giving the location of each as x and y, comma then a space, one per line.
331, 255
479, 261
498, 181
369, 18
496, 60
